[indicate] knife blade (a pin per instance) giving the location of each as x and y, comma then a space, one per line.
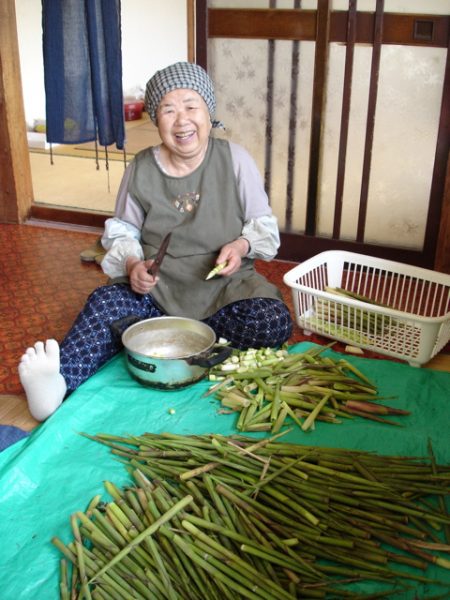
153, 270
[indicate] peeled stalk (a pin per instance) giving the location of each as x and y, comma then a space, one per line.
309, 421
217, 269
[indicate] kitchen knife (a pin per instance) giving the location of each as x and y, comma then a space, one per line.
153, 270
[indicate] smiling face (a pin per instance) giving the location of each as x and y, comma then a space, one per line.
184, 125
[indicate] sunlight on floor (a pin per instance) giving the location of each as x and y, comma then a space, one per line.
75, 182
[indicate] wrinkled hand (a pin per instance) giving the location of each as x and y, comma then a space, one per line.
233, 254
140, 279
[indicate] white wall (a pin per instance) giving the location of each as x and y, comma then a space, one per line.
154, 34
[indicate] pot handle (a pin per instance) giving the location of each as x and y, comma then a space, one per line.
218, 355
119, 326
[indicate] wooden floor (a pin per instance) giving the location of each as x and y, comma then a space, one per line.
14, 411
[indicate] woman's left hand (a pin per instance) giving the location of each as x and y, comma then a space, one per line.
232, 254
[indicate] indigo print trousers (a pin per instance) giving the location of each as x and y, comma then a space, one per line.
92, 339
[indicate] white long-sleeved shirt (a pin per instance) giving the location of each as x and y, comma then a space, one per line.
122, 234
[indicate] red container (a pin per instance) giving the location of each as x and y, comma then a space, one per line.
133, 110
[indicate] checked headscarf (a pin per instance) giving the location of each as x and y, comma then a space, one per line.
181, 75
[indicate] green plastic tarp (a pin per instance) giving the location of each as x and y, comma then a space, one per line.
55, 471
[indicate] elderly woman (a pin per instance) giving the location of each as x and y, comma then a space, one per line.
209, 194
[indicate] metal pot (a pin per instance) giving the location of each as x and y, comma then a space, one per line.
171, 352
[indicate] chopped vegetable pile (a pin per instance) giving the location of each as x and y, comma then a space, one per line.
270, 387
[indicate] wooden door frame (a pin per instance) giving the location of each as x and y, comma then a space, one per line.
16, 191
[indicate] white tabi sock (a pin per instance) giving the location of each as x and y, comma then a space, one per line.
39, 374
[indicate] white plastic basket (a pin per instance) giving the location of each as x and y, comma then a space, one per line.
413, 323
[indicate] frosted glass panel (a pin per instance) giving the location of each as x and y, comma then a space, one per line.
239, 69
331, 131
362, 5
356, 141
326, 190
406, 127
431, 7
405, 135
282, 4
238, 4
295, 125
404, 143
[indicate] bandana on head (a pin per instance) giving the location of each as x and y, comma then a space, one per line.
181, 75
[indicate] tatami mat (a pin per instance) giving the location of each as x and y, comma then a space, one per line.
137, 137
74, 181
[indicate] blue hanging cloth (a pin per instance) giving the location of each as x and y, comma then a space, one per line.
83, 71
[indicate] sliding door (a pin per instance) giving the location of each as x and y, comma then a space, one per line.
345, 107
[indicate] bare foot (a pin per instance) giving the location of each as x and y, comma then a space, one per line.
39, 374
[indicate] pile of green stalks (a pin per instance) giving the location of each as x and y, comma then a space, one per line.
322, 324
271, 388
353, 318
215, 517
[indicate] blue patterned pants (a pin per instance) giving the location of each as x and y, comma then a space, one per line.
91, 341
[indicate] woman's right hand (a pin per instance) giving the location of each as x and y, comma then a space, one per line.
140, 279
